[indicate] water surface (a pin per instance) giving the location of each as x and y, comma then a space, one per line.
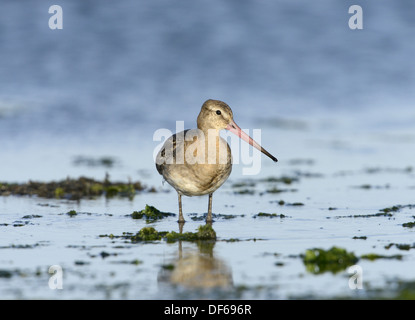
335, 106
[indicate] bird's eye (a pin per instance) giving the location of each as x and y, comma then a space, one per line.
218, 112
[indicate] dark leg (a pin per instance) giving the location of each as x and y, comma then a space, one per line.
209, 216
181, 219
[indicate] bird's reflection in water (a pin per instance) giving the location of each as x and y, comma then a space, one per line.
196, 267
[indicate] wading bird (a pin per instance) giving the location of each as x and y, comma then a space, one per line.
197, 162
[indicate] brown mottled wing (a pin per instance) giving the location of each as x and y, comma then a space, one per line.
159, 167
162, 152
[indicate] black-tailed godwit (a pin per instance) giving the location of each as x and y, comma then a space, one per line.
197, 162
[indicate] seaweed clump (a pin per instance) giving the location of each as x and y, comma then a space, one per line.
196, 217
269, 215
72, 189
375, 256
333, 260
409, 224
203, 233
150, 214
147, 234
72, 213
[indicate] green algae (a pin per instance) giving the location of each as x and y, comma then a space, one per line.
369, 187
150, 214
196, 217
59, 192
227, 216
204, 232
135, 262
397, 208
278, 190
283, 203
400, 246
269, 215
238, 240
104, 254
370, 215
391, 209
71, 213
5, 273
375, 256
333, 260
169, 267
243, 184
295, 204
245, 191
21, 246
30, 216
231, 240
385, 212
408, 224
105, 161
72, 189
245, 187
283, 179
150, 234
272, 179
147, 234
19, 223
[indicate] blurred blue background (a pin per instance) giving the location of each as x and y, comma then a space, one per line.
336, 106
122, 69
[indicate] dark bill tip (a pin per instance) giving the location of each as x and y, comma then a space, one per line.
269, 155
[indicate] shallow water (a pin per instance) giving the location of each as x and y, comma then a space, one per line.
334, 106
264, 263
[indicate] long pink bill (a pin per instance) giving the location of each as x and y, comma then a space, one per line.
234, 128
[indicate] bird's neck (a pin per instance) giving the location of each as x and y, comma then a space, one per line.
215, 150
209, 132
